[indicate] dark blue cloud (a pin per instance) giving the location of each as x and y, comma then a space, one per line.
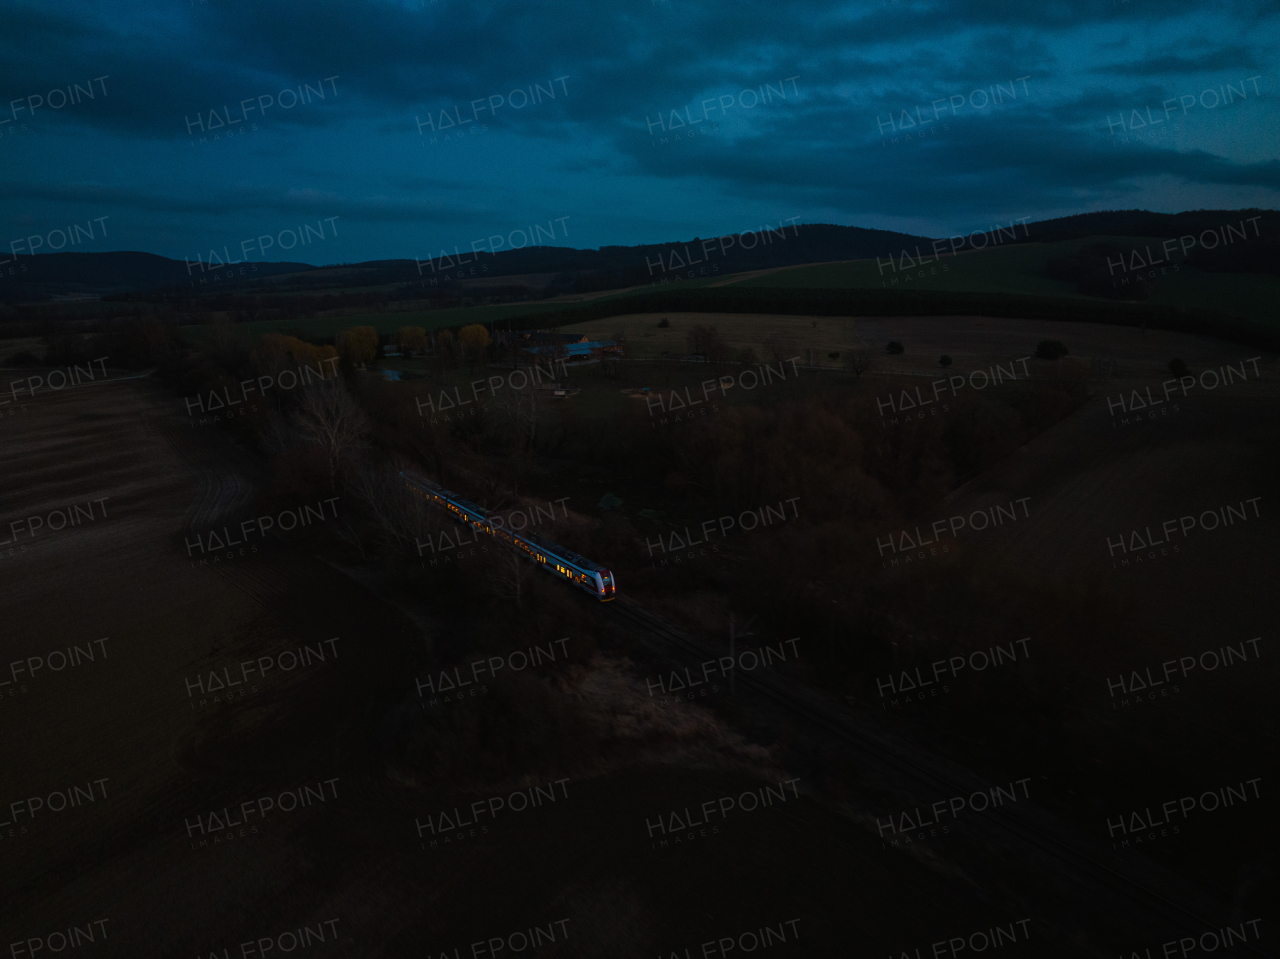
421, 138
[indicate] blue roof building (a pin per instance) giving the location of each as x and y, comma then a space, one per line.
587, 352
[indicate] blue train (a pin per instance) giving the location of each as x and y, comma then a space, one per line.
554, 558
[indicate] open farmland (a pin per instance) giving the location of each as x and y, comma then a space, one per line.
329, 325
649, 479
1020, 269
336, 726
968, 340
356, 731
1102, 584
360, 734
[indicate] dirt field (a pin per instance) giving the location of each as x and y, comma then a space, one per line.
158, 757
126, 727
969, 341
1099, 603
647, 339
1115, 467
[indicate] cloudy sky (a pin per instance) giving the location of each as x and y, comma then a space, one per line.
395, 128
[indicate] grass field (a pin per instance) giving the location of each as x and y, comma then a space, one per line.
388, 322
26, 344
649, 341
970, 341
1021, 269
1014, 269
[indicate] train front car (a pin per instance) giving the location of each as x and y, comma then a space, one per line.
582, 572
554, 558
608, 587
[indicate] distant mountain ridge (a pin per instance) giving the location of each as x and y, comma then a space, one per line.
544, 267
1142, 223
98, 274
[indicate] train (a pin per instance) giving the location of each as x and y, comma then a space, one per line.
555, 559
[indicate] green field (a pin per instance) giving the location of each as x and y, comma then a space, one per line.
384, 322
1021, 269
1014, 269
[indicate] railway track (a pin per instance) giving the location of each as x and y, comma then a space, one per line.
1173, 904
1169, 906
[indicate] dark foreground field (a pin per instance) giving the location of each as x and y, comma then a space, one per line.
158, 757
159, 760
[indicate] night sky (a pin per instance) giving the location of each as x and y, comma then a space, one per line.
616, 121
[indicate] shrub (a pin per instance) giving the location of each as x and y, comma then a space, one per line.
411, 339
275, 351
359, 344
1050, 349
945, 361
1177, 367
894, 347
475, 340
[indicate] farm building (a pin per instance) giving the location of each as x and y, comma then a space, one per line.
587, 351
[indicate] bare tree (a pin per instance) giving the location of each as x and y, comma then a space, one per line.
511, 576
706, 341
718, 351
400, 517
517, 412
277, 434
348, 533
858, 362
506, 408
223, 331
329, 416
378, 495
697, 340
781, 348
